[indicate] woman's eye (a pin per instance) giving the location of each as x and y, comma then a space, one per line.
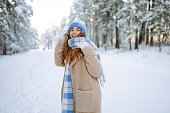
71, 30
78, 30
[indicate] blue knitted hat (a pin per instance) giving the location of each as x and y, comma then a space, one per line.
78, 24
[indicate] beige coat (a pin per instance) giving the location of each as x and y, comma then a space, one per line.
85, 85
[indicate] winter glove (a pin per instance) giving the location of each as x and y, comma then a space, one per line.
79, 42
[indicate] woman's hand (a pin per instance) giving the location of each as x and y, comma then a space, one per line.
79, 42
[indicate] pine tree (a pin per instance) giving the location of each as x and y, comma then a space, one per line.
124, 20
7, 39
17, 34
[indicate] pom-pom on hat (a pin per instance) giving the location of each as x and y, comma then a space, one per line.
78, 24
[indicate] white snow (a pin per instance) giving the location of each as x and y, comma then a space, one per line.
136, 82
19, 9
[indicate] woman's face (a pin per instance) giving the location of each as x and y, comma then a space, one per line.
75, 32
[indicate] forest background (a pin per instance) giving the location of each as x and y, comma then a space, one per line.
110, 24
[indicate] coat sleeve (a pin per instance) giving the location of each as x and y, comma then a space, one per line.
92, 62
58, 55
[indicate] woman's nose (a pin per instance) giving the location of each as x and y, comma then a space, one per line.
74, 32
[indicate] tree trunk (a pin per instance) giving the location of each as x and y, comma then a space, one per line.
117, 36
4, 36
159, 40
136, 40
96, 36
4, 50
147, 36
130, 44
117, 30
151, 41
136, 22
111, 41
142, 33
111, 36
104, 39
117, 39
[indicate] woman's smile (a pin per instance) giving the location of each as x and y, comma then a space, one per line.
74, 36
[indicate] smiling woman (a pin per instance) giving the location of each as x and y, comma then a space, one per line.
48, 13
81, 91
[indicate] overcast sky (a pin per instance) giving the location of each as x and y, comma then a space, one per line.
49, 12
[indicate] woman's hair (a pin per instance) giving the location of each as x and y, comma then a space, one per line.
69, 53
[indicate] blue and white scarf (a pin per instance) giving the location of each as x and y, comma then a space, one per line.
67, 98
101, 77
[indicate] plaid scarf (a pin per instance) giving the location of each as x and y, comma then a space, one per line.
101, 77
67, 98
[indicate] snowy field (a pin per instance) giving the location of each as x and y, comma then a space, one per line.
137, 82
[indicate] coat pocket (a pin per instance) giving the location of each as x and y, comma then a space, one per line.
85, 101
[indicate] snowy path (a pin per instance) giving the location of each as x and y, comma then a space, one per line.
136, 83
30, 83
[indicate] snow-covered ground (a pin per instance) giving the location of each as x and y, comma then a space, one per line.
136, 82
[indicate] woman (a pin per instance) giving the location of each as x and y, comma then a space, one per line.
81, 91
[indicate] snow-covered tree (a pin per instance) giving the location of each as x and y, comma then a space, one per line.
63, 27
110, 11
35, 41
17, 33
123, 20
160, 18
83, 10
131, 19
47, 39
53, 34
7, 38
19, 17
